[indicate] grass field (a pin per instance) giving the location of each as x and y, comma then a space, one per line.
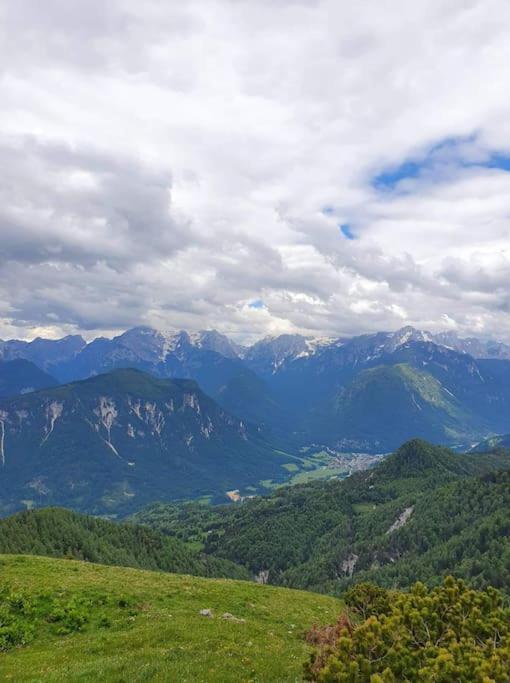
146, 626
319, 473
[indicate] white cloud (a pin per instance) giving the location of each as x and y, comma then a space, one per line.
170, 164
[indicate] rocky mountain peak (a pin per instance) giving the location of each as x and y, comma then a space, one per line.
406, 335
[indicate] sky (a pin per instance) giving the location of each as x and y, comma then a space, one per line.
254, 166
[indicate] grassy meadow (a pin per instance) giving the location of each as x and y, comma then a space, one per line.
87, 622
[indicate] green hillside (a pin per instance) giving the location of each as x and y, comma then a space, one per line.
462, 528
390, 404
62, 533
418, 464
424, 512
86, 622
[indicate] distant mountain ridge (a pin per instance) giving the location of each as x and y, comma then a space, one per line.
114, 441
45, 353
365, 393
151, 345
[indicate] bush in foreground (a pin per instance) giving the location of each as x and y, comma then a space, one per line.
445, 634
22, 617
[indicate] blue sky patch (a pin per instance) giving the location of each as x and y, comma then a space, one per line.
346, 231
453, 152
257, 304
501, 161
390, 177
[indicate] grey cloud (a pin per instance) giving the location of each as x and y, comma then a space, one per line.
62, 205
89, 34
476, 276
250, 117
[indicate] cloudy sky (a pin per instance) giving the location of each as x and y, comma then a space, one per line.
256, 166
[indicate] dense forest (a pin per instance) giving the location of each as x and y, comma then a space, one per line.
61, 533
423, 513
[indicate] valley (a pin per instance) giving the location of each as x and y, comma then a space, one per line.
421, 513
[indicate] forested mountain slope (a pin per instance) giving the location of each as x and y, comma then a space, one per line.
422, 513
117, 441
57, 532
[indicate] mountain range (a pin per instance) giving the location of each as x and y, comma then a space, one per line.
72, 357
365, 393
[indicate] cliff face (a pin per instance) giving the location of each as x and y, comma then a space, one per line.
116, 441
